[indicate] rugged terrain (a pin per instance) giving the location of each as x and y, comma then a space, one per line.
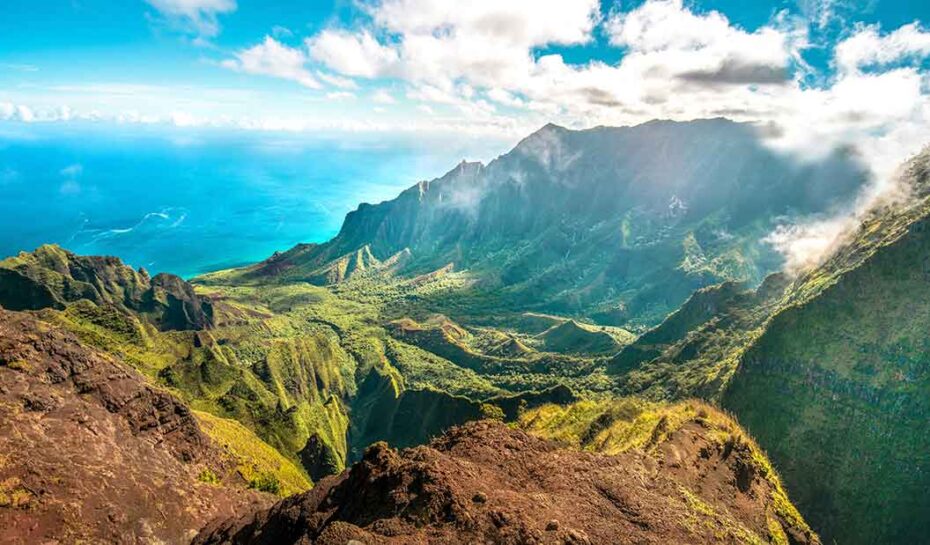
51, 278
498, 292
826, 370
689, 482
617, 225
91, 453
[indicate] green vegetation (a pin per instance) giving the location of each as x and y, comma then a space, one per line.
842, 378
208, 476
259, 464
563, 301
267, 482
52, 277
828, 371
624, 424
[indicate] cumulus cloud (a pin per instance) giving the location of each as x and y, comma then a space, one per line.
352, 54
272, 58
491, 48
867, 47
195, 16
440, 42
735, 72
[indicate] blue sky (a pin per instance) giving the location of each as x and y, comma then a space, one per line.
486, 68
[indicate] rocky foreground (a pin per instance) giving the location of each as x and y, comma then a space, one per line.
486, 482
91, 453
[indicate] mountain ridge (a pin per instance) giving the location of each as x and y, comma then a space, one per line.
590, 222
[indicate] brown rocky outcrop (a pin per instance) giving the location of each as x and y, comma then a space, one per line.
90, 453
488, 483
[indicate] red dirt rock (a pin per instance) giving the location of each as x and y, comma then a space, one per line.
92, 454
486, 483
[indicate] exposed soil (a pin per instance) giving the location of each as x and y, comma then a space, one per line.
488, 483
91, 454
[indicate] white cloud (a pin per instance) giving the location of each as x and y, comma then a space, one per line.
337, 81
484, 67
340, 95
441, 41
272, 58
17, 112
868, 47
196, 16
352, 54
522, 22
666, 40
184, 119
503, 97
806, 245
676, 64
821, 13
383, 97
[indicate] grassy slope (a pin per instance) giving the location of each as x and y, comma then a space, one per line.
281, 377
624, 424
285, 360
258, 463
298, 364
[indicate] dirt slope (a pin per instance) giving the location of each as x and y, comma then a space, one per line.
91, 454
488, 483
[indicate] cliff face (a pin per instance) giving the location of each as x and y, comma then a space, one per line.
92, 453
837, 386
51, 277
826, 370
615, 224
486, 482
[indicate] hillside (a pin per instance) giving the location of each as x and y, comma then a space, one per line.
91, 453
52, 277
615, 225
825, 370
301, 407
841, 374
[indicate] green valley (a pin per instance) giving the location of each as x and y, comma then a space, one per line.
578, 291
